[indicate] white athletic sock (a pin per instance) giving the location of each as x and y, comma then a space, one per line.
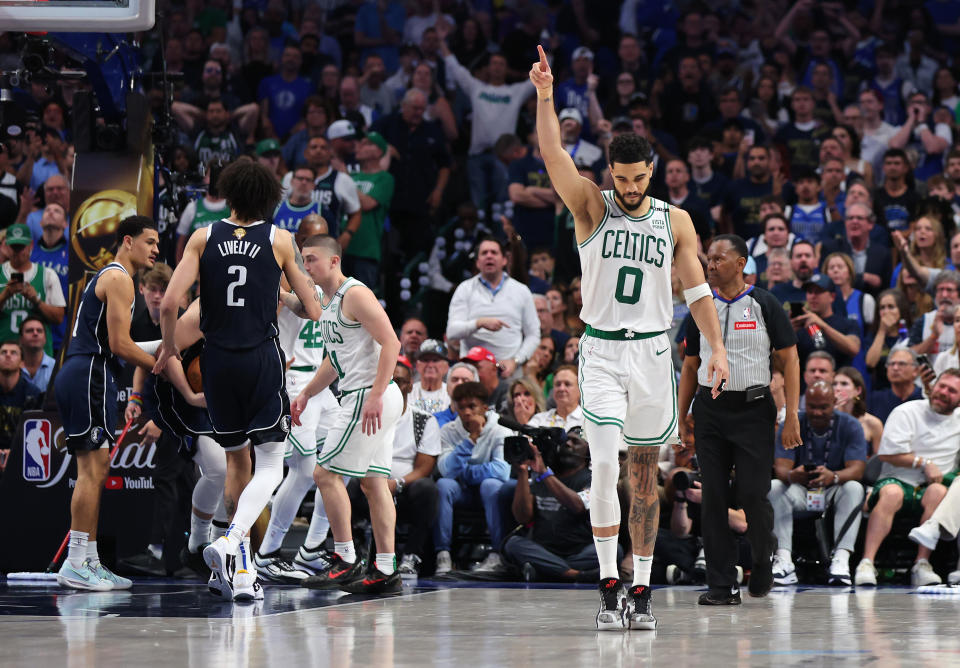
257, 493
386, 562
199, 532
92, 553
77, 552
784, 554
295, 485
345, 551
641, 570
607, 555
319, 524
273, 538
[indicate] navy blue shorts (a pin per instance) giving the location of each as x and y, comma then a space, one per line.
87, 398
246, 395
163, 404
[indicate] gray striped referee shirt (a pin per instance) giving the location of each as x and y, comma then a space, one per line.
753, 325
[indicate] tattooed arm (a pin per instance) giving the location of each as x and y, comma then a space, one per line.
292, 302
644, 501
288, 255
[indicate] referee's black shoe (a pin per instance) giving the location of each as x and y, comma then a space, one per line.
339, 574
761, 576
731, 597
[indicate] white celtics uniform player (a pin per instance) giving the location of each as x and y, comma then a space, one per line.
628, 242
626, 369
354, 355
301, 339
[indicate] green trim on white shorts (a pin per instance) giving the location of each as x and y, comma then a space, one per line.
354, 419
665, 436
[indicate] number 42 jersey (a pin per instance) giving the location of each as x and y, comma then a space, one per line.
626, 269
239, 285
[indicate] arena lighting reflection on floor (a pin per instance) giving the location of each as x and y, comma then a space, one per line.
176, 623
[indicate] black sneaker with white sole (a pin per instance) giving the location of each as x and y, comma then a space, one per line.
612, 615
639, 613
275, 568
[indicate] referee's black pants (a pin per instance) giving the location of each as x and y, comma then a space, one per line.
729, 432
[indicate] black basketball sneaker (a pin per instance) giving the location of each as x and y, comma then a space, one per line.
612, 615
639, 614
339, 574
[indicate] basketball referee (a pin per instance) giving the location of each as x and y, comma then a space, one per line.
737, 428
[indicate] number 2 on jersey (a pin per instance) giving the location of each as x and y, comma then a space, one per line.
241, 273
633, 296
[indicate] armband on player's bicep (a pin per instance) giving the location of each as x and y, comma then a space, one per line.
696, 293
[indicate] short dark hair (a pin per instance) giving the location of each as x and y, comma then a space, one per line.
630, 148
470, 390
539, 250
251, 190
802, 242
324, 241
14, 341
736, 243
699, 142
504, 249
775, 216
33, 316
133, 226
896, 153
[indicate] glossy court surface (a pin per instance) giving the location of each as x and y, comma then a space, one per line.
177, 623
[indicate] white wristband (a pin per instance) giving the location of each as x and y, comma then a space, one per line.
696, 293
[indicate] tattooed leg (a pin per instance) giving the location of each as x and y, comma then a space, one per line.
644, 498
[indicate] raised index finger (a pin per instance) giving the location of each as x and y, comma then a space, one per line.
543, 59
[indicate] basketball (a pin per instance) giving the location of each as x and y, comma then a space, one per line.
194, 377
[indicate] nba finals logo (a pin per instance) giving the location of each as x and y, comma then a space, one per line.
37, 439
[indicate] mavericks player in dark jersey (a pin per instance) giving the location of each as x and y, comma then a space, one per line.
86, 392
239, 261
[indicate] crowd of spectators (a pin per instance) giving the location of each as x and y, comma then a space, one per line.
823, 133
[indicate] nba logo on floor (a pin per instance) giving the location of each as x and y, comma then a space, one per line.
36, 450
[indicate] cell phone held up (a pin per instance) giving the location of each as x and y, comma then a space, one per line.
16, 277
796, 309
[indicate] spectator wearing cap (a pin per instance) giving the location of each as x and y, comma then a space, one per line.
472, 471
489, 374
379, 29
27, 287
494, 310
362, 243
533, 197
420, 166
316, 118
819, 328
496, 107
299, 203
574, 92
429, 394
871, 260
45, 156
461, 372
677, 177
800, 138
333, 189
686, 105
708, 185
52, 252
343, 137
581, 151
267, 153
37, 365
283, 95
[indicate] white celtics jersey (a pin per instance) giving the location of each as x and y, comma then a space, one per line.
626, 270
353, 352
300, 338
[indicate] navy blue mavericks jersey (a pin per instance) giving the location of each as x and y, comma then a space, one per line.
239, 285
90, 336
331, 208
287, 216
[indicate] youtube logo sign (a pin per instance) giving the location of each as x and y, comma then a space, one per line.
114, 482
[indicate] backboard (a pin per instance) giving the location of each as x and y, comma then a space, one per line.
76, 15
